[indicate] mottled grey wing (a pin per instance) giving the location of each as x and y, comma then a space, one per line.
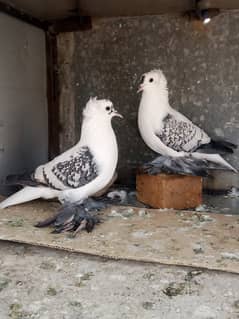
79, 170
181, 135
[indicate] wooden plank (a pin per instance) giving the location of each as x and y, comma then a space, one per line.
185, 238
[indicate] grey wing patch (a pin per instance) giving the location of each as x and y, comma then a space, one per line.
78, 171
180, 135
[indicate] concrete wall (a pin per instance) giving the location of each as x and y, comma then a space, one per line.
23, 104
200, 63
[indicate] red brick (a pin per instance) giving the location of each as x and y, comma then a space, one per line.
169, 191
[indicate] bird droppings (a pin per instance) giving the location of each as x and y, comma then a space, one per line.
114, 213
122, 213
47, 265
203, 218
179, 213
19, 222
197, 248
77, 304
174, 289
148, 305
16, 312
86, 276
143, 213
127, 212
141, 234
204, 312
232, 256
51, 291
191, 274
228, 294
149, 276
121, 194
80, 284
202, 208
4, 282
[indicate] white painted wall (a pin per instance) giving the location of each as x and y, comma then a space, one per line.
23, 101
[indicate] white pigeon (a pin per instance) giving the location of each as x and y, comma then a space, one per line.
170, 133
82, 170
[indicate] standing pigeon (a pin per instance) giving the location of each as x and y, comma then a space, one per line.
81, 171
170, 133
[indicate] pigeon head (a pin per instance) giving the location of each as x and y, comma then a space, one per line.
101, 109
152, 80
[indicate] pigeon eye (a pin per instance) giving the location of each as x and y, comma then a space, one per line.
151, 80
107, 108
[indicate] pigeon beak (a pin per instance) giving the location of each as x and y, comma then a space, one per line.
141, 87
117, 114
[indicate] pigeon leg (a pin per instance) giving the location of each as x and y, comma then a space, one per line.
81, 227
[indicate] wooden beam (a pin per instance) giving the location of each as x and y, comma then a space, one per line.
70, 24
23, 16
53, 85
52, 96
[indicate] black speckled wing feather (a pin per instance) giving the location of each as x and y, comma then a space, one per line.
181, 135
76, 171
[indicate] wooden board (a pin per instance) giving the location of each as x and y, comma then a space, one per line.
168, 237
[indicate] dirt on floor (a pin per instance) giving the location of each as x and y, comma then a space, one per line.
49, 284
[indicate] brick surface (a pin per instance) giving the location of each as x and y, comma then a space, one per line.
169, 191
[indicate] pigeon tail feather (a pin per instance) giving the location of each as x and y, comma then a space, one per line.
218, 146
215, 158
21, 179
27, 194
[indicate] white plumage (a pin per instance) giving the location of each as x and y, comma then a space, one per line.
84, 169
167, 131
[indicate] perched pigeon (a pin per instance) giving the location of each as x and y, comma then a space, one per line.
83, 170
173, 135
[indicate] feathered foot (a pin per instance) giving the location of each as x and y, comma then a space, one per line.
75, 217
82, 215
176, 165
195, 164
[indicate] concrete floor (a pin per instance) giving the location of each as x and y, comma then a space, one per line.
222, 204
49, 284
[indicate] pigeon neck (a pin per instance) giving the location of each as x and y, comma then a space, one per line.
94, 129
157, 96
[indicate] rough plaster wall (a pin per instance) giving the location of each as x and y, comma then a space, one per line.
23, 105
201, 65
